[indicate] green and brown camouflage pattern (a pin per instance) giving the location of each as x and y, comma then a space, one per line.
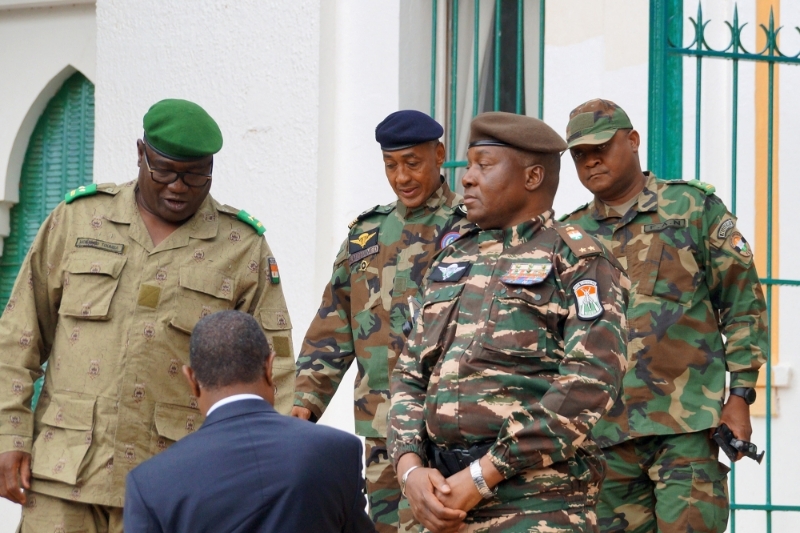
386, 500
511, 363
365, 305
694, 285
665, 483
595, 122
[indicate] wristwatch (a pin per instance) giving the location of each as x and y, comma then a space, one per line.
405, 478
477, 477
748, 393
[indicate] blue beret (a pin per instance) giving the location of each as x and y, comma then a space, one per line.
407, 128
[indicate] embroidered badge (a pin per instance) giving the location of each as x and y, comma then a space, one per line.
526, 273
661, 226
189, 423
199, 255
234, 236
149, 331
25, 339
587, 299
14, 421
725, 227
84, 242
97, 222
449, 271
74, 337
575, 235
449, 238
161, 275
252, 266
76, 493
12, 303
174, 365
274, 274
740, 244
94, 368
19, 443
161, 443
130, 453
363, 246
205, 311
138, 392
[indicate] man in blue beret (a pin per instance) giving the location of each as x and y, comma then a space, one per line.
378, 269
113, 285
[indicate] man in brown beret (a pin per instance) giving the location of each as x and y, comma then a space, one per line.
518, 349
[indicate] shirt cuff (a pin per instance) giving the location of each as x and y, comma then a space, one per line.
15, 443
310, 402
744, 379
400, 449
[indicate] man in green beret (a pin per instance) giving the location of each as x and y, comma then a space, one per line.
115, 280
518, 350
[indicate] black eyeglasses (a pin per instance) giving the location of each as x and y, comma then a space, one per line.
166, 177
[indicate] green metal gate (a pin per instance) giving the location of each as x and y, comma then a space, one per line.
667, 53
503, 67
59, 158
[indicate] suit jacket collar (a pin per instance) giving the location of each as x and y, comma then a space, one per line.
239, 408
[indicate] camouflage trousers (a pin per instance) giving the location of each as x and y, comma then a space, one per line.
387, 507
48, 514
584, 521
664, 483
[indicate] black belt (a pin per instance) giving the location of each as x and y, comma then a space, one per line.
454, 460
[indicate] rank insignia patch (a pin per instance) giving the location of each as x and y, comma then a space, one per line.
574, 235
526, 273
740, 244
587, 299
364, 245
449, 271
448, 239
274, 275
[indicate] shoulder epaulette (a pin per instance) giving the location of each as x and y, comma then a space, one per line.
564, 217
380, 209
90, 190
707, 188
247, 218
244, 216
581, 244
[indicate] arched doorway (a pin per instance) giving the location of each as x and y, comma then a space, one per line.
58, 159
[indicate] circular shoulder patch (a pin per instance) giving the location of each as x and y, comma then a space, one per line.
449, 238
587, 299
740, 244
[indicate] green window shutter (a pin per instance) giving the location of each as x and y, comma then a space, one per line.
59, 159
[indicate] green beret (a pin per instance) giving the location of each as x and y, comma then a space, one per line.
181, 130
516, 131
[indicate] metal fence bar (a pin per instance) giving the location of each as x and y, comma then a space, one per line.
699, 27
734, 152
497, 33
453, 86
770, 134
476, 57
541, 60
434, 17
518, 106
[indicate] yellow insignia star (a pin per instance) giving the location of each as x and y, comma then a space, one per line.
362, 239
592, 248
583, 250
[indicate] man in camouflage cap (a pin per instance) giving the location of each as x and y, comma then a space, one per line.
115, 280
364, 307
696, 311
519, 348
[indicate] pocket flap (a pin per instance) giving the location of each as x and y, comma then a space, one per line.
94, 264
444, 294
70, 413
207, 281
175, 422
532, 294
275, 319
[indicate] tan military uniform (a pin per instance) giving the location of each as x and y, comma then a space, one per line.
112, 314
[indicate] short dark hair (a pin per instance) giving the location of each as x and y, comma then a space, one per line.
228, 348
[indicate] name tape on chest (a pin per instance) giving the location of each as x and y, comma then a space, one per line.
363, 245
587, 299
449, 272
85, 242
526, 273
661, 226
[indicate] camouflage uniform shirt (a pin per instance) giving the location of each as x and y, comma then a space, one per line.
505, 352
111, 313
380, 264
693, 282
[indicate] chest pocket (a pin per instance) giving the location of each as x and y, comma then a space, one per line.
670, 273
202, 291
518, 318
439, 314
90, 282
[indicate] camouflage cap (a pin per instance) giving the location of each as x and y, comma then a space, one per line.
595, 122
498, 128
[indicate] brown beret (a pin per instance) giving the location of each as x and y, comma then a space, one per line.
516, 131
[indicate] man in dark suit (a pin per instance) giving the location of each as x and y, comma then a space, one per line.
248, 468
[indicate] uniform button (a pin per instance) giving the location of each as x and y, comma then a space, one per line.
503, 290
518, 291
537, 297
